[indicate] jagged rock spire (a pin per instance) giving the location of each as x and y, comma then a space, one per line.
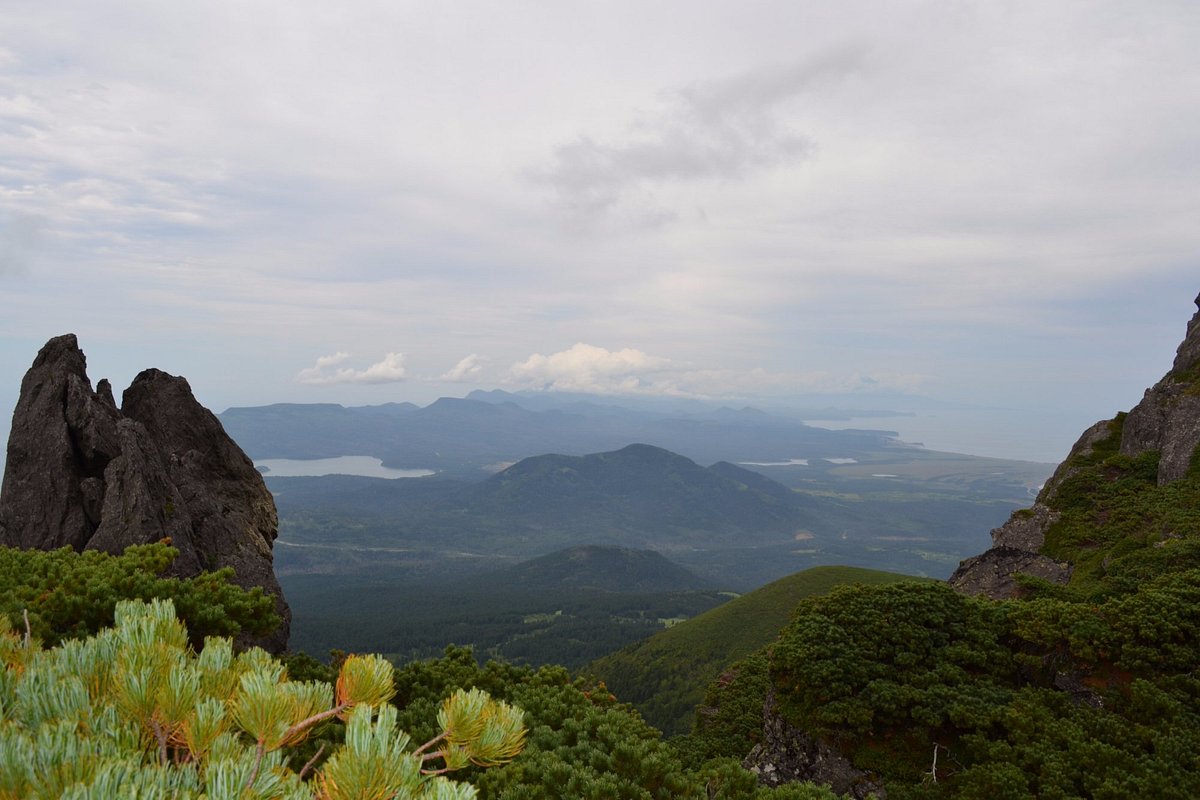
83, 474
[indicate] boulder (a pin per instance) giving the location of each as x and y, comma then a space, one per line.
228, 506
994, 573
85, 474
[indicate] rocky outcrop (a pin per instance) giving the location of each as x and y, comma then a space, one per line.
993, 573
1167, 421
85, 474
1015, 551
1168, 417
787, 754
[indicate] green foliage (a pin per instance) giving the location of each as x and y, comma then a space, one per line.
1114, 516
515, 622
730, 720
665, 675
132, 711
1081, 691
1153, 632
724, 779
901, 663
70, 595
889, 672
582, 743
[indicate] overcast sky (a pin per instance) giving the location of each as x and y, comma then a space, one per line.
994, 203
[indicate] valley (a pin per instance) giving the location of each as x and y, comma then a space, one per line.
513, 480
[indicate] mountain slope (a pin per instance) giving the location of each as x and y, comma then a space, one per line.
665, 676
1125, 486
607, 569
1079, 682
639, 487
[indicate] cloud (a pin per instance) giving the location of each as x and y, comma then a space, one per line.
722, 130
465, 370
389, 370
595, 370
19, 236
586, 368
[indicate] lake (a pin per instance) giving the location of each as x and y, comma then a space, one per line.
366, 466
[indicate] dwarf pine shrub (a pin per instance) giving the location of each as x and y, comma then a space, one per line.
134, 712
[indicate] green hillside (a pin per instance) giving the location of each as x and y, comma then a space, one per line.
606, 569
1085, 690
665, 675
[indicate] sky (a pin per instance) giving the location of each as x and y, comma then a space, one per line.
992, 204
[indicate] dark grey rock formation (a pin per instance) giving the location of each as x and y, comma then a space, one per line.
1015, 550
84, 474
993, 573
63, 434
1083, 447
787, 754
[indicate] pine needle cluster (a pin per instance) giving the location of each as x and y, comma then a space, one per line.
133, 711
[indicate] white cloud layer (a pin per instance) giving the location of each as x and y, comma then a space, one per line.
389, 370
587, 368
591, 369
466, 370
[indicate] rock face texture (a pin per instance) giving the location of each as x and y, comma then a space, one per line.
83, 473
787, 754
1015, 546
1168, 417
1167, 420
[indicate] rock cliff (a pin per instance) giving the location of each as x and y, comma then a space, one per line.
1167, 420
83, 473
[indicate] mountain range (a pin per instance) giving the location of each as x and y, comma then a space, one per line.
462, 436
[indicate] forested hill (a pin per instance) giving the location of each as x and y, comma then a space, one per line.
643, 487
606, 569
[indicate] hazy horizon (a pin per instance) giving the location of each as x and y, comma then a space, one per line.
990, 205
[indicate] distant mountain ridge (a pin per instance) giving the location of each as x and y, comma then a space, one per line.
464, 435
606, 569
